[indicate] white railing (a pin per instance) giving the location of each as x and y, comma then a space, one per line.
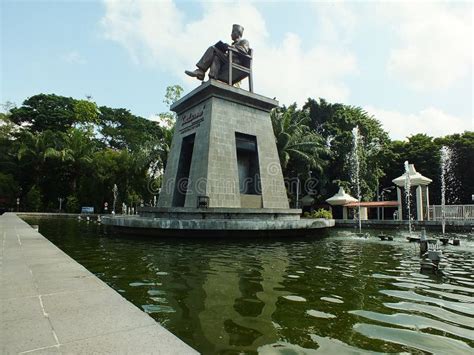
451, 212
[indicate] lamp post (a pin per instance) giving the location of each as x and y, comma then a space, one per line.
382, 197
297, 190
298, 187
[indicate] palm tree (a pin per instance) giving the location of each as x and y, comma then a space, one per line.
300, 149
77, 150
34, 149
165, 146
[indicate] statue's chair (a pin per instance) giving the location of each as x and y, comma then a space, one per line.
232, 72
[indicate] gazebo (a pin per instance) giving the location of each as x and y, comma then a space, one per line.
422, 196
342, 199
347, 201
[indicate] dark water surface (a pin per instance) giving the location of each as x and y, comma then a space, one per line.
337, 293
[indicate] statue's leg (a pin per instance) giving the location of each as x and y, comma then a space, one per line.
215, 67
220, 58
206, 60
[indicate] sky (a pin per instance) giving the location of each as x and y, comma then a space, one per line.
409, 64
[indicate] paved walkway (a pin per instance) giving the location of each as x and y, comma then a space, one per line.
51, 304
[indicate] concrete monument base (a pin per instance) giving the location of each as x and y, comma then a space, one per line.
184, 213
217, 222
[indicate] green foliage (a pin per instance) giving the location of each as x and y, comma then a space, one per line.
53, 146
86, 112
8, 189
133, 199
164, 151
7, 127
72, 204
69, 147
173, 94
45, 112
420, 150
33, 199
167, 122
8, 130
321, 213
122, 130
335, 123
35, 147
300, 149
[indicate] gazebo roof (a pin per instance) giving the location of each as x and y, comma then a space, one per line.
372, 204
415, 178
341, 198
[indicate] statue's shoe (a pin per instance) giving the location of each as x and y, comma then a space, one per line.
198, 73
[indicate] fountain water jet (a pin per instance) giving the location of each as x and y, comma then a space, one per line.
355, 169
408, 193
115, 192
449, 185
445, 152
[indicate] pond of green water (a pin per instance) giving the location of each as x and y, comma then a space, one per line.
334, 293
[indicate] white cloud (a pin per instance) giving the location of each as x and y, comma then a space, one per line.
156, 33
337, 21
290, 72
435, 42
74, 57
431, 121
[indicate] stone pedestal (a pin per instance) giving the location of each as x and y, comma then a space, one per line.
223, 152
344, 213
419, 203
427, 196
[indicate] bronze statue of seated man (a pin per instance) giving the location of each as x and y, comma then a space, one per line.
216, 55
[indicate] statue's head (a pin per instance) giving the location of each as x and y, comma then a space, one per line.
237, 32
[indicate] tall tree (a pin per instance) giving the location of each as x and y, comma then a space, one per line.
33, 149
335, 123
122, 130
167, 121
300, 149
45, 112
76, 151
8, 134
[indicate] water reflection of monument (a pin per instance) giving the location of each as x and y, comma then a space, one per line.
221, 301
240, 299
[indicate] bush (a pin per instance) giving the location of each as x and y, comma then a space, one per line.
72, 204
8, 188
321, 213
33, 199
